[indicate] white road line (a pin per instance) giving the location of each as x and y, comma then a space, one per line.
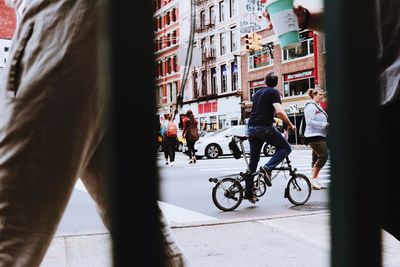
180, 215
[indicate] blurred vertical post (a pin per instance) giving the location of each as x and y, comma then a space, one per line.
127, 50
353, 97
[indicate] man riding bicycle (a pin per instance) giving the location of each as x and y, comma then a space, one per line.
266, 102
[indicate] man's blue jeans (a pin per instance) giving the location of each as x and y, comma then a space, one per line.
258, 135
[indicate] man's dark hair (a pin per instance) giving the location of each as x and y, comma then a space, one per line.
271, 80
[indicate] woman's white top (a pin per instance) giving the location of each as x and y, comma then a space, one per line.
316, 120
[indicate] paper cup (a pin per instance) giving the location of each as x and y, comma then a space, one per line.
285, 22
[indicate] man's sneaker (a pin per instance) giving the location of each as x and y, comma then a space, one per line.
166, 162
315, 184
267, 175
250, 197
190, 161
171, 164
194, 159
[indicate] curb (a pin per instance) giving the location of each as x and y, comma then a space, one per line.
242, 220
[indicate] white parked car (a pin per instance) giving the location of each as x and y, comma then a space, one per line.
215, 144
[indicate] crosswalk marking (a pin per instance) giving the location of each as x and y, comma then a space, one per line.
181, 215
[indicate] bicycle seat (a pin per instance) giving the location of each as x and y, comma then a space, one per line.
241, 137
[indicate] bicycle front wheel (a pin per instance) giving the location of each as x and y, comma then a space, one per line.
298, 189
227, 194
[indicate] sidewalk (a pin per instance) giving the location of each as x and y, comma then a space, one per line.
275, 241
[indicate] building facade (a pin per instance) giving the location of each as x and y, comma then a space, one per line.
298, 70
166, 38
213, 88
7, 28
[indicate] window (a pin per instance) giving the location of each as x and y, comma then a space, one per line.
195, 90
202, 19
175, 64
234, 76
221, 121
160, 94
221, 11
213, 81
173, 17
260, 59
298, 87
170, 92
224, 81
203, 82
222, 40
307, 47
234, 41
169, 65
176, 89
232, 9
168, 17
203, 48
168, 40
212, 46
173, 37
212, 14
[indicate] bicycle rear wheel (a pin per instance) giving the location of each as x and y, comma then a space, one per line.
227, 194
298, 189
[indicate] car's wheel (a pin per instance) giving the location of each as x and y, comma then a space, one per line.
269, 150
213, 151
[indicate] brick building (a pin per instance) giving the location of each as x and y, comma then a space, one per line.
7, 28
166, 38
297, 71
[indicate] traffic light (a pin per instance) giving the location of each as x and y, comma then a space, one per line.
253, 41
249, 41
257, 41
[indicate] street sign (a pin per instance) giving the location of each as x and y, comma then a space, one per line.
294, 109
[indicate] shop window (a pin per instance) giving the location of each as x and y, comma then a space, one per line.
260, 59
298, 87
307, 48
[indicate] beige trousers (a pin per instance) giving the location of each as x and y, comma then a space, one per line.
51, 126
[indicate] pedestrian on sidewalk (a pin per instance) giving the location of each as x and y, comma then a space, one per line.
170, 139
266, 102
191, 134
315, 133
387, 23
52, 126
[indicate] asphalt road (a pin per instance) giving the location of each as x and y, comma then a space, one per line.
186, 187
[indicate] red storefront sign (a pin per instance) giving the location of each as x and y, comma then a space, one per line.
208, 107
298, 75
257, 83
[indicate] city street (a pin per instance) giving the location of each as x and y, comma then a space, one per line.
186, 186
185, 189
